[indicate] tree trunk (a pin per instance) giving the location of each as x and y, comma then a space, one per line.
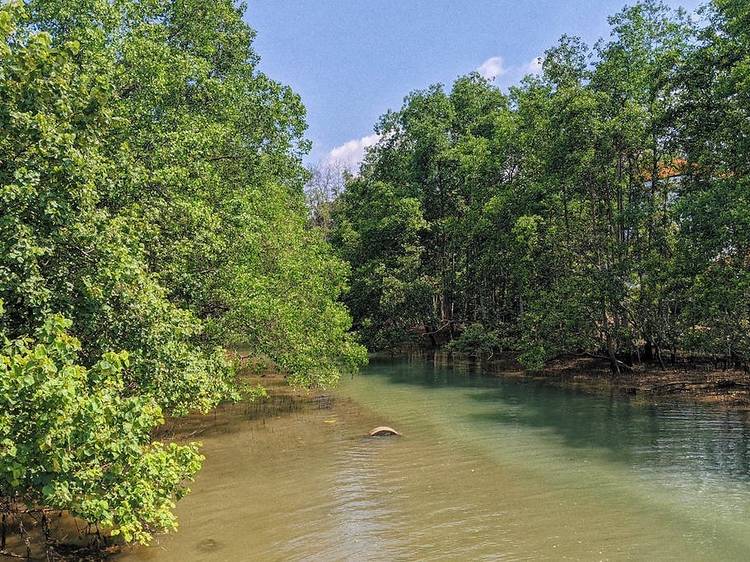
614, 364
648, 351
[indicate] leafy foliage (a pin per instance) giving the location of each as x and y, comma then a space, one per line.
476, 341
600, 207
62, 250
151, 193
69, 440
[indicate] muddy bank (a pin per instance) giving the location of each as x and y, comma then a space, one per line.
730, 387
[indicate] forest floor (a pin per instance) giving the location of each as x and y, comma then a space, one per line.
729, 387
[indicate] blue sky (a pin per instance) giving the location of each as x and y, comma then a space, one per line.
351, 60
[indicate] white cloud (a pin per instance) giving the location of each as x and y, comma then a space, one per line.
535, 66
492, 68
350, 153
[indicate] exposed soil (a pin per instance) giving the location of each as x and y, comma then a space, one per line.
701, 384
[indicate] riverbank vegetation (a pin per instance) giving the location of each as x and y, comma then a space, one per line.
600, 208
151, 214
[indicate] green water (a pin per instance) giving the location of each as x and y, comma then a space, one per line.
487, 469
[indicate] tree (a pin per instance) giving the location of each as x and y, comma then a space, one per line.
150, 192
324, 186
61, 249
713, 253
380, 233
599, 209
70, 440
211, 180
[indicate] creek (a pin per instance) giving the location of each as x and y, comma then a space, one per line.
488, 468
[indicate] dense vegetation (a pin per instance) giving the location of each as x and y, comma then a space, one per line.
151, 213
601, 208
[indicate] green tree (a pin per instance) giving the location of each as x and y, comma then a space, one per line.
713, 252
211, 186
151, 192
61, 249
380, 233
600, 208
70, 441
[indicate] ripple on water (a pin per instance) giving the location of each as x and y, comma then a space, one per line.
487, 469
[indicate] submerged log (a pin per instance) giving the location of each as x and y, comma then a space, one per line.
382, 431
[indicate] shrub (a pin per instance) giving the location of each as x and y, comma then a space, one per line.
70, 440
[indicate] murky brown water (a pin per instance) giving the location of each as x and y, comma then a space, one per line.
487, 469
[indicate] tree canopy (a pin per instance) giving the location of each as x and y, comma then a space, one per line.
600, 207
151, 194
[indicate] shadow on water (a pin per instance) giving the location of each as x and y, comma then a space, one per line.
488, 468
694, 440
233, 417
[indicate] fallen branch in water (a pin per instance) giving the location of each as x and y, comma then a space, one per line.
620, 364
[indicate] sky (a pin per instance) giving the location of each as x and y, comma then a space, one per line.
352, 60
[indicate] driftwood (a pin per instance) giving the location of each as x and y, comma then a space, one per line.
382, 431
619, 363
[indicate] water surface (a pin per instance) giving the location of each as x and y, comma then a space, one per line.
488, 469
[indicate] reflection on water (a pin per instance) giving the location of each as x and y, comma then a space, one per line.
488, 469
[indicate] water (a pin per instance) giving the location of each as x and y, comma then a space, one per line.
487, 469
